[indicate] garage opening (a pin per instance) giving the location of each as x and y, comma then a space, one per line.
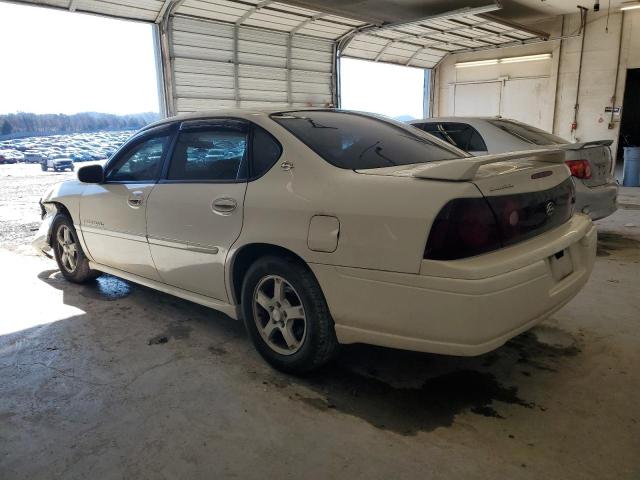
393, 90
87, 74
629, 131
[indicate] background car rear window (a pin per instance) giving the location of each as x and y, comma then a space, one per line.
140, 163
528, 133
213, 154
357, 141
433, 129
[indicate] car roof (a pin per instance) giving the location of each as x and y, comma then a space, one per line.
469, 120
244, 113
247, 114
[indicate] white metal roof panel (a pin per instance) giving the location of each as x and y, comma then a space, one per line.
420, 43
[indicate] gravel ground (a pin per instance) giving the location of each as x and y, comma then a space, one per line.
21, 186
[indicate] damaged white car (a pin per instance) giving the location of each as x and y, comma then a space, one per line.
322, 227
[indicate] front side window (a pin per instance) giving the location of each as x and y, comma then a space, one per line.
142, 162
214, 153
527, 133
358, 141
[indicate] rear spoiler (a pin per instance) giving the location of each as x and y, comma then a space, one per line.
465, 169
579, 146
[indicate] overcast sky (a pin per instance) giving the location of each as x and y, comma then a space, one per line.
60, 62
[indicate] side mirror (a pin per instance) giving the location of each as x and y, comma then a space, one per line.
91, 174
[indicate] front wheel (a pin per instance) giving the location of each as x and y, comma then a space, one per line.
287, 316
71, 260
43, 167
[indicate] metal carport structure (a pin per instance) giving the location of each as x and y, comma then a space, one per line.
253, 53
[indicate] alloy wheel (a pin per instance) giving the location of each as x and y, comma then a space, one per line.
279, 315
67, 248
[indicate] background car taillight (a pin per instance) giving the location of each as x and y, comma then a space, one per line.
579, 168
464, 227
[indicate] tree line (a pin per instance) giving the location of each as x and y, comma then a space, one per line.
50, 124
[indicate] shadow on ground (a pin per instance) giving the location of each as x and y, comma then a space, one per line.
612, 244
405, 392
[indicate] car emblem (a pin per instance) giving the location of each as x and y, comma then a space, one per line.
550, 208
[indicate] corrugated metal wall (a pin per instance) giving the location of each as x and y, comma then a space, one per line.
205, 75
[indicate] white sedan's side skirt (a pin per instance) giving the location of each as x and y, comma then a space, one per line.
231, 310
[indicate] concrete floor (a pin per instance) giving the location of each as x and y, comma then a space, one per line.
113, 380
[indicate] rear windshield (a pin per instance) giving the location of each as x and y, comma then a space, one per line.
527, 133
358, 141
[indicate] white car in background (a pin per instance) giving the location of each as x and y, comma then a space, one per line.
57, 163
324, 227
590, 162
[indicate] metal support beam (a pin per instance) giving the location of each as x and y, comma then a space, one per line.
288, 67
452, 32
415, 54
162, 11
166, 59
157, 54
384, 48
236, 45
490, 7
292, 34
236, 66
253, 10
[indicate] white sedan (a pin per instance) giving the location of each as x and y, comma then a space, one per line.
590, 162
322, 227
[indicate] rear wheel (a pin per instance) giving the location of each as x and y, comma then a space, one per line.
287, 316
43, 167
71, 260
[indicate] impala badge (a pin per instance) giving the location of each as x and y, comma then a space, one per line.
550, 207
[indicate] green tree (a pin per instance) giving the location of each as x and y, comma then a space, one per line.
6, 128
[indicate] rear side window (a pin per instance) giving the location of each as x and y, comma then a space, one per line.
265, 151
476, 143
527, 133
357, 141
210, 154
435, 130
464, 136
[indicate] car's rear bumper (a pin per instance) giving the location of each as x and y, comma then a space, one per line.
597, 202
462, 307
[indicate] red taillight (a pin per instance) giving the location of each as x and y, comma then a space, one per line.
579, 168
464, 227
471, 226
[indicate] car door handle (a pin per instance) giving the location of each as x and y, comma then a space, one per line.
224, 205
135, 199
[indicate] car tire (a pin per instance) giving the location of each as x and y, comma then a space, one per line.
43, 167
297, 342
73, 263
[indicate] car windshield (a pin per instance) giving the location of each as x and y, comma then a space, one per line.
357, 141
527, 133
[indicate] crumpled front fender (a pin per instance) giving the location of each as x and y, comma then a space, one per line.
42, 240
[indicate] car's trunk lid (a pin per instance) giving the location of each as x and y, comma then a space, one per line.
528, 192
